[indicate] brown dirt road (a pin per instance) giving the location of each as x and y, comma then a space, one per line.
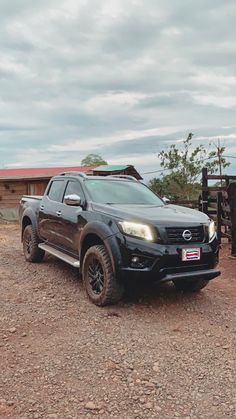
157, 354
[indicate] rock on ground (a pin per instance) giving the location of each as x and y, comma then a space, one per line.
157, 354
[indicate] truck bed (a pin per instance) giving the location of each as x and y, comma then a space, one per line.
27, 197
29, 201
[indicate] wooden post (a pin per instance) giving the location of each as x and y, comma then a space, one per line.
200, 203
219, 215
204, 190
227, 181
232, 202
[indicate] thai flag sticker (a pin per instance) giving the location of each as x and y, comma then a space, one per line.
191, 254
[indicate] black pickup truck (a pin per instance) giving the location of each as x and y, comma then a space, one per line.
113, 226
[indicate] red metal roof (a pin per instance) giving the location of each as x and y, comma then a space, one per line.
40, 171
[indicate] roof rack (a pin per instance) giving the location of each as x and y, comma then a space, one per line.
81, 174
129, 177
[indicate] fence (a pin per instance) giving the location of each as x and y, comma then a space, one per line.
219, 203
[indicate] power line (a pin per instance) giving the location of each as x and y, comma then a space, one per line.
155, 171
199, 161
163, 170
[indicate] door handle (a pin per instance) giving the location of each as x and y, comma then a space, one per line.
42, 207
58, 213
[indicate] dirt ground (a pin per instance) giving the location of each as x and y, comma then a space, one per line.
157, 354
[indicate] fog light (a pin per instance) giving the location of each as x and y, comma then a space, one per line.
135, 260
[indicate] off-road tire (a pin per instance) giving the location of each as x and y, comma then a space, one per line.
31, 250
112, 289
191, 286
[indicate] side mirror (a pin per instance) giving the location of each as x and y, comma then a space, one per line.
165, 199
72, 200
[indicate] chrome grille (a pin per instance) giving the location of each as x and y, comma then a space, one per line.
175, 234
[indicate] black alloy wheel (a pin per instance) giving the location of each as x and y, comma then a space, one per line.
99, 279
31, 250
96, 276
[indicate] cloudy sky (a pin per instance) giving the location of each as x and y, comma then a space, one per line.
122, 78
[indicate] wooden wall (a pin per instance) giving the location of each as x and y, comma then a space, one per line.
11, 191
37, 187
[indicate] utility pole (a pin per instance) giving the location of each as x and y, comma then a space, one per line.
219, 154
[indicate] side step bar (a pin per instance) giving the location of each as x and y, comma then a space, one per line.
60, 255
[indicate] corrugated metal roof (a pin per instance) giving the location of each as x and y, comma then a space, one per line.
110, 168
40, 171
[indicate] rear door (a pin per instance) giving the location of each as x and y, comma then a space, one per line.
50, 222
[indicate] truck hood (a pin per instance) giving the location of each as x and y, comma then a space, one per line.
168, 215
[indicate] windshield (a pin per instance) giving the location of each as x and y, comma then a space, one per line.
121, 192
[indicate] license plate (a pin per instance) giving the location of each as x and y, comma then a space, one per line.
191, 254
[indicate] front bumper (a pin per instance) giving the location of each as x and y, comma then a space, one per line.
163, 262
188, 276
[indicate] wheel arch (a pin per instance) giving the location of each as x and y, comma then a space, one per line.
99, 233
28, 218
91, 239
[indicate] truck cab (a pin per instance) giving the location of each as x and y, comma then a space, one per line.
112, 227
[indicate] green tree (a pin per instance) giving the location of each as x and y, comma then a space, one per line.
184, 165
93, 160
171, 186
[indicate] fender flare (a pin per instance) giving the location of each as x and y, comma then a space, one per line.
29, 213
109, 239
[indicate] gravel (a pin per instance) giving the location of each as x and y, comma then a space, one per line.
157, 354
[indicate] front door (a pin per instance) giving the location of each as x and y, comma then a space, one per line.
72, 218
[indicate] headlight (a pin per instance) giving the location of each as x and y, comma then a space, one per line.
211, 230
142, 231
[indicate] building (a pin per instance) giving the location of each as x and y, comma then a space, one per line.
116, 170
33, 181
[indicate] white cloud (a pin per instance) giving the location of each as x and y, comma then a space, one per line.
78, 76
10, 65
121, 101
220, 137
172, 31
213, 79
226, 102
89, 143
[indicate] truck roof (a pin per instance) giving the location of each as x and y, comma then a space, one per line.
109, 177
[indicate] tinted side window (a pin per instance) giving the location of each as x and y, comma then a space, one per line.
72, 188
56, 190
